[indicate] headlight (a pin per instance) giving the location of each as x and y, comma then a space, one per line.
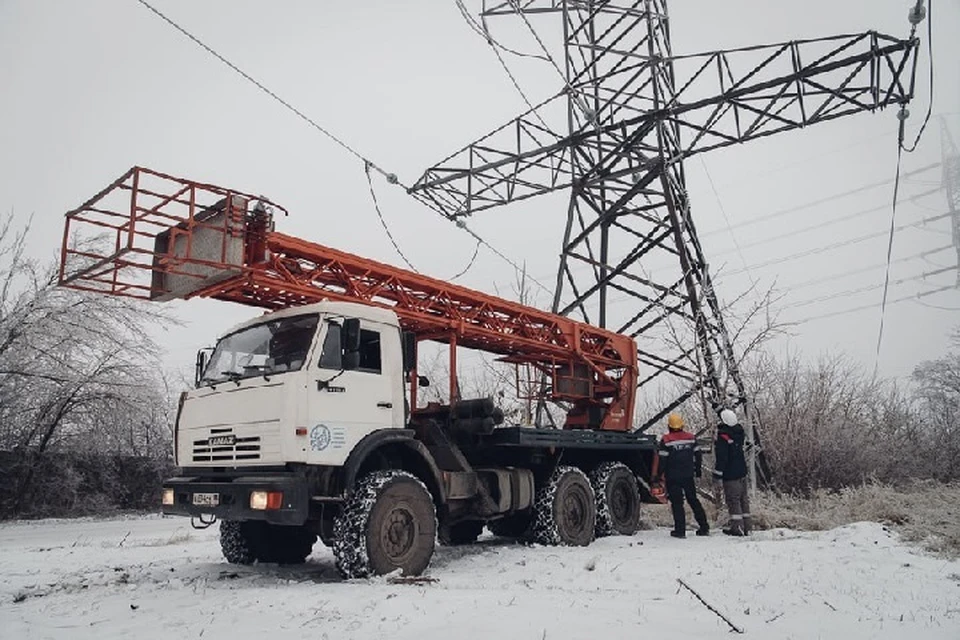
266, 500
168, 497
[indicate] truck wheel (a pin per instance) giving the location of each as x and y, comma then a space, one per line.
565, 510
240, 544
516, 526
463, 532
388, 523
256, 541
618, 499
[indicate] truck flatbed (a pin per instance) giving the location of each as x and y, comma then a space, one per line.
571, 438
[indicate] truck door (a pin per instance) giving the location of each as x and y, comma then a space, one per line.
344, 406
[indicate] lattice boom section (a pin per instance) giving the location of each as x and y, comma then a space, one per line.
300, 272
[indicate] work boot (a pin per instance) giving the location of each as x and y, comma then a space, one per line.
746, 525
735, 528
678, 534
703, 531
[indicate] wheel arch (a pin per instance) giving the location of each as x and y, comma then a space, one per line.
393, 449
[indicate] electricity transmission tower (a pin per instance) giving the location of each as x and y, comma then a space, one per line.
634, 113
951, 183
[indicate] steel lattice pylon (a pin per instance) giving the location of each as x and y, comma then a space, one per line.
634, 113
951, 184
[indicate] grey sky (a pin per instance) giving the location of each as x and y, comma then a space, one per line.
93, 88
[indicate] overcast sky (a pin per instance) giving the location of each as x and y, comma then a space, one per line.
92, 88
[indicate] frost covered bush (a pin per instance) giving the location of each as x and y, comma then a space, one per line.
78, 484
921, 511
830, 425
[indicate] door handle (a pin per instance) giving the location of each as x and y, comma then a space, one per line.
385, 405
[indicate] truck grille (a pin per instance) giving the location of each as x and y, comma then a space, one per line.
224, 446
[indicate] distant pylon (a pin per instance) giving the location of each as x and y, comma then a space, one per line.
951, 183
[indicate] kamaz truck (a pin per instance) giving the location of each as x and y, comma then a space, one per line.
305, 422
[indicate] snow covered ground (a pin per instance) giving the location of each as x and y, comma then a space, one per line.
155, 577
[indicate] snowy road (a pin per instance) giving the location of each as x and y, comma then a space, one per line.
156, 577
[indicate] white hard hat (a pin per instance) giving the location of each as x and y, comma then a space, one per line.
729, 417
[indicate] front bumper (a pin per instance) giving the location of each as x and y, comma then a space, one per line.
233, 497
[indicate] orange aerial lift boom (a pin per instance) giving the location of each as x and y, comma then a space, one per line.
154, 236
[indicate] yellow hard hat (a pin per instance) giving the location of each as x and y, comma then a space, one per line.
674, 422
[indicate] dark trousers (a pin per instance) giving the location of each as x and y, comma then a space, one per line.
676, 491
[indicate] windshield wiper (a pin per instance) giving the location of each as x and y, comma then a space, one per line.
260, 368
232, 375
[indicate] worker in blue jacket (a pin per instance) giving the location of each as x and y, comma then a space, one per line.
731, 470
680, 461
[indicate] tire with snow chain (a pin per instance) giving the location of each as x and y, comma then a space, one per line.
463, 532
618, 499
388, 523
236, 543
565, 509
257, 541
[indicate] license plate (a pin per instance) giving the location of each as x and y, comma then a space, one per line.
206, 499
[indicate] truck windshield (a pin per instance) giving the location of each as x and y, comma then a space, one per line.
264, 349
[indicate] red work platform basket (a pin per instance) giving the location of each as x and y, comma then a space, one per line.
153, 236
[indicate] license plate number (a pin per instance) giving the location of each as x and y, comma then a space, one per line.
206, 499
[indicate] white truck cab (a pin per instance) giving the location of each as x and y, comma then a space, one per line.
280, 389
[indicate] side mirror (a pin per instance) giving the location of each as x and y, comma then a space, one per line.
203, 355
409, 345
350, 342
350, 335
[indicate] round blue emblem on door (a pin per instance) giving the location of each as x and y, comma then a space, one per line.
319, 437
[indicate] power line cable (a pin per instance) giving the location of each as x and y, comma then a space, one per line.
866, 307
476, 252
753, 176
822, 249
936, 306
368, 164
726, 219
837, 276
918, 11
827, 223
835, 245
573, 92
865, 289
523, 16
460, 223
484, 32
814, 203
393, 241
618, 299
383, 223
807, 205
391, 177
915, 16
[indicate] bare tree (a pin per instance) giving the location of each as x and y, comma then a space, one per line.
77, 371
938, 398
